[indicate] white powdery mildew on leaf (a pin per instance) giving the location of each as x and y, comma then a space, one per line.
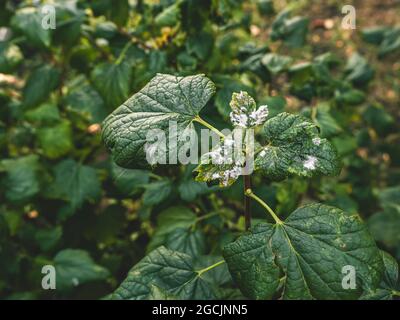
224, 163
244, 113
310, 163
316, 141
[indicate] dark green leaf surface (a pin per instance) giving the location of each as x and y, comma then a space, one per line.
21, 181
165, 98
294, 147
76, 267
309, 249
389, 285
112, 81
28, 21
74, 183
173, 272
39, 85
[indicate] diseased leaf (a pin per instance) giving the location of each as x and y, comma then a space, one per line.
172, 272
165, 98
310, 249
294, 147
223, 163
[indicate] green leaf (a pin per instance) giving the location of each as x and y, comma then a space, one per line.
168, 221
385, 226
76, 267
74, 183
245, 113
39, 85
21, 181
224, 94
294, 147
374, 35
169, 16
48, 238
69, 20
310, 249
186, 240
165, 98
349, 96
276, 63
112, 81
82, 97
200, 44
172, 272
156, 192
389, 285
29, 22
56, 141
358, 71
325, 120
292, 31
10, 57
190, 189
391, 42
225, 163
129, 181
45, 114
389, 196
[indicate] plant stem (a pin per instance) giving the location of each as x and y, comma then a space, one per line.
123, 53
247, 208
314, 110
208, 215
209, 126
250, 194
200, 272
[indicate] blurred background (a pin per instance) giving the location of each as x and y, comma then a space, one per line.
65, 65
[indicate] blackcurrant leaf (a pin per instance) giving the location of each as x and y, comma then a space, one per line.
165, 98
294, 148
171, 271
307, 253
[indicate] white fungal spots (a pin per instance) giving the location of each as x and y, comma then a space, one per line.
316, 141
239, 119
258, 116
244, 113
310, 163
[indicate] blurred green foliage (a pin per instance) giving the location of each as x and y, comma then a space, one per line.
62, 200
